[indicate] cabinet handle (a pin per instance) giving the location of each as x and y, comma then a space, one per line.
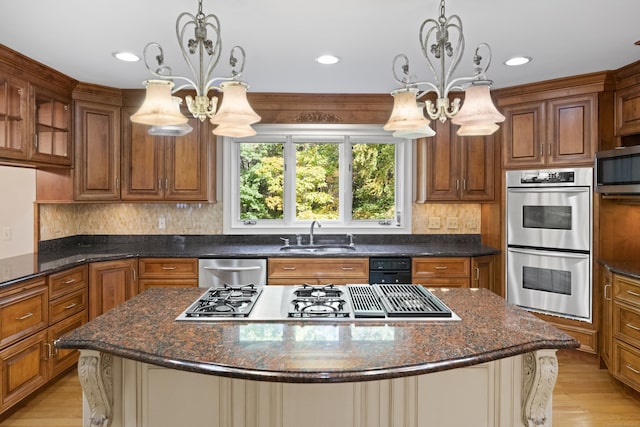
457, 184
288, 268
26, 316
168, 268
635, 294
160, 183
464, 184
605, 292
117, 183
66, 282
477, 274
35, 142
133, 272
632, 326
347, 268
166, 183
441, 267
47, 355
70, 306
541, 149
632, 369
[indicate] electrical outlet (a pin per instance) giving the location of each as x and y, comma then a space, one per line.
452, 222
162, 224
5, 233
472, 223
434, 222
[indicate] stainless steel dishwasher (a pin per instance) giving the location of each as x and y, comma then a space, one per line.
231, 271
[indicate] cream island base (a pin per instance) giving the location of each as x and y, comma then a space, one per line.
513, 391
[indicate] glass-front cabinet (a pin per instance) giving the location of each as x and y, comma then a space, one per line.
52, 127
13, 124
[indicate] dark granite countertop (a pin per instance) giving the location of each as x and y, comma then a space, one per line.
144, 329
627, 268
60, 254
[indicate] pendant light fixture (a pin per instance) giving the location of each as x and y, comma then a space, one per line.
201, 55
477, 116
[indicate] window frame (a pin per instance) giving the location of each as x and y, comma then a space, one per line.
343, 135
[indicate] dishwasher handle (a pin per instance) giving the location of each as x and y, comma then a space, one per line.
249, 268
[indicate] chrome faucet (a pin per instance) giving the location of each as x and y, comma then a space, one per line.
311, 231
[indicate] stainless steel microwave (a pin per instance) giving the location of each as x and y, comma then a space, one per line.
618, 171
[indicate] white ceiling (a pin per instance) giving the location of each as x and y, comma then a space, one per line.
282, 38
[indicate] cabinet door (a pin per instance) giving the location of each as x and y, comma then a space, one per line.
142, 162
573, 130
111, 283
443, 179
627, 110
477, 168
52, 127
523, 133
186, 164
97, 148
23, 369
14, 131
23, 311
483, 272
61, 359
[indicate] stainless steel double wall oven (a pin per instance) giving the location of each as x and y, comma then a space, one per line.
549, 241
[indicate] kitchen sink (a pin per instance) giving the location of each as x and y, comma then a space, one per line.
318, 248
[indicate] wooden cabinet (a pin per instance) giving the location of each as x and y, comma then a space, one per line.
317, 271
162, 272
625, 356
483, 272
457, 168
97, 151
606, 339
441, 272
24, 310
52, 127
111, 283
14, 135
166, 168
553, 132
627, 110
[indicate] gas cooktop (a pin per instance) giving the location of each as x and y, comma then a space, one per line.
322, 303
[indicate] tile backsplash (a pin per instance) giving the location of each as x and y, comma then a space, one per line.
62, 220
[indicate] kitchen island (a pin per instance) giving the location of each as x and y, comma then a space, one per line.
140, 367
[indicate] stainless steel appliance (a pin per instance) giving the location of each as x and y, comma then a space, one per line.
322, 303
618, 171
549, 241
231, 271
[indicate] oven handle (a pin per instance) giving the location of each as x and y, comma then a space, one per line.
549, 190
549, 253
253, 267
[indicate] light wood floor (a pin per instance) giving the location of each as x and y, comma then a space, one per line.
584, 396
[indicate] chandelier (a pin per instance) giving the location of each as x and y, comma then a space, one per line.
161, 110
476, 116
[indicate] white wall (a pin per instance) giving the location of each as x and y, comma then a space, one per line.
17, 194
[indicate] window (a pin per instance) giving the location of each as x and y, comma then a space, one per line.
351, 178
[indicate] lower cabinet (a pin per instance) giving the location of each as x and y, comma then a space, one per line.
33, 314
111, 283
441, 272
625, 357
317, 271
167, 272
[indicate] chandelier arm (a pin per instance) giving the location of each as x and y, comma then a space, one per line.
480, 72
216, 53
454, 22
180, 34
424, 42
233, 61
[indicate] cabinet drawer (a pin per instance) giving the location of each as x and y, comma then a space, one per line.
23, 313
68, 281
68, 305
626, 289
443, 282
626, 364
318, 268
440, 267
63, 358
168, 267
144, 284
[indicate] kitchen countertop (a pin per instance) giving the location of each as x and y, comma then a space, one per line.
60, 254
627, 268
144, 329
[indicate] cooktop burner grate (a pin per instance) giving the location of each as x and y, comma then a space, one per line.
365, 302
410, 301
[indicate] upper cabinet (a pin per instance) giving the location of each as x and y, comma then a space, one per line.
554, 123
156, 168
627, 105
35, 113
455, 168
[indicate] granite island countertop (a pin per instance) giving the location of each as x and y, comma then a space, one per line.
144, 329
61, 254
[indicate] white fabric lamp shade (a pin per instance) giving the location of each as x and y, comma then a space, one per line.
233, 130
477, 128
235, 109
477, 107
424, 132
406, 115
158, 108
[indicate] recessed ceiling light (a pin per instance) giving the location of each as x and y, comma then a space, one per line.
126, 56
327, 59
517, 60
